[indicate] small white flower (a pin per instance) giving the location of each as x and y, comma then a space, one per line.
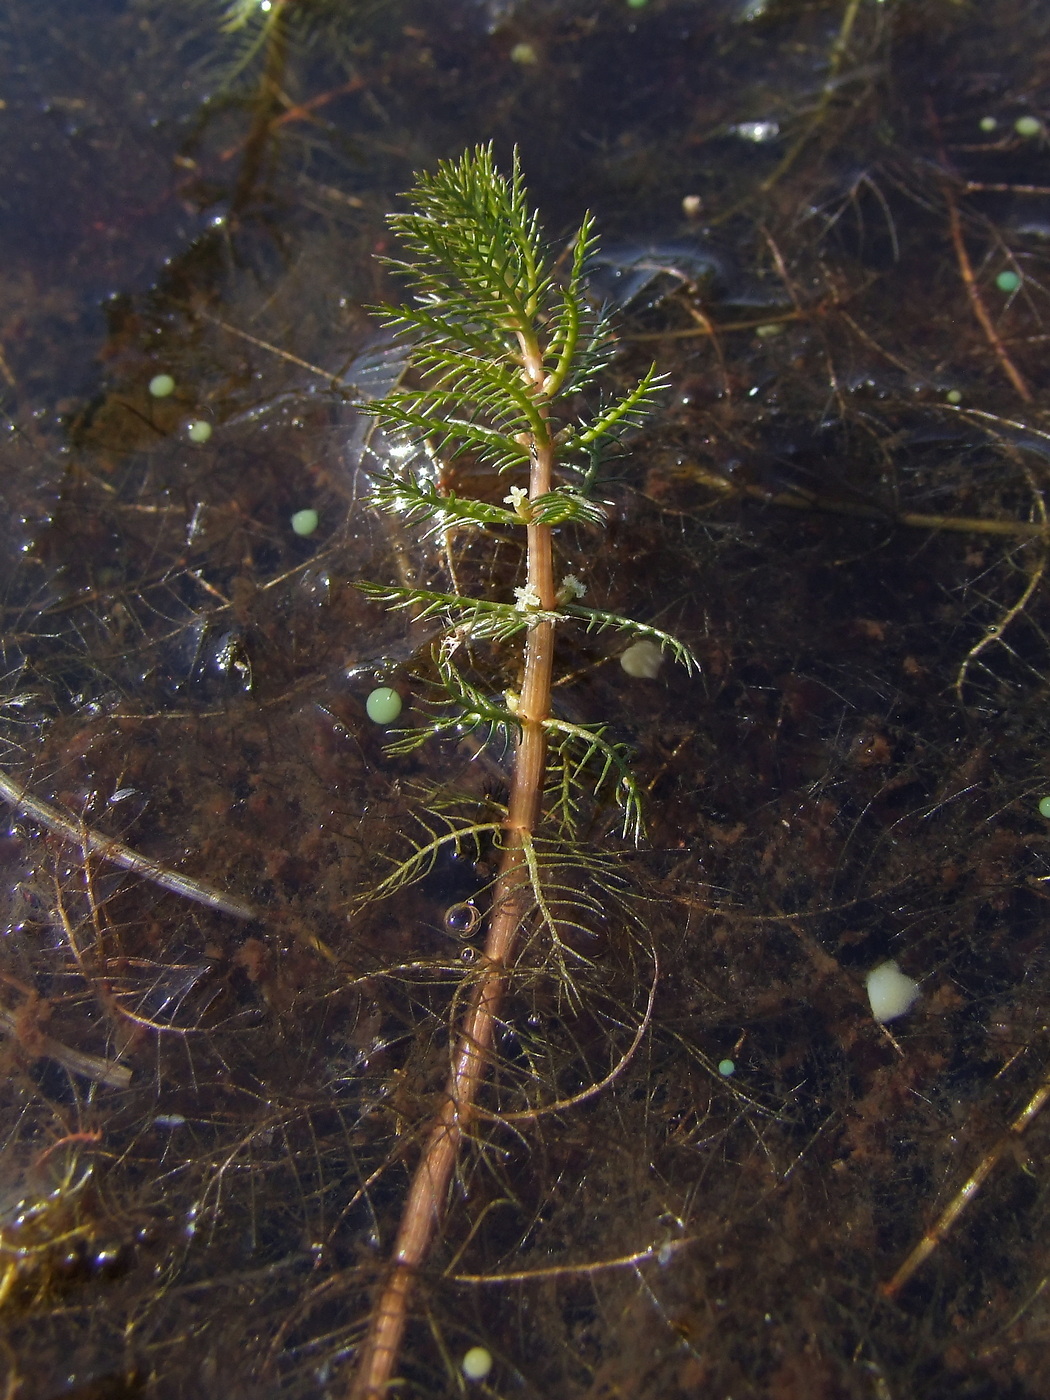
571, 587
526, 599
518, 501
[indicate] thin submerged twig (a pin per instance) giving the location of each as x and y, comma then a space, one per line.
996, 631
653, 1253
967, 1191
977, 305
93, 1067
799, 498
836, 60
109, 848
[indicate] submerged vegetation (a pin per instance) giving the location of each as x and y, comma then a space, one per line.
501, 348
327, 923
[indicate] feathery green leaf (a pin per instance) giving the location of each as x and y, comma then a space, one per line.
458, 708
476, 617
630, 410
497, 345
611, 761
564, 504
597, 621
422, 502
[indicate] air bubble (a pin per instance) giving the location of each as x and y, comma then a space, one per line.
462, 920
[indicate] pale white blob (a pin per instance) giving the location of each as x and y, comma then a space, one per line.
758, 132
642, 660
890, 992
477, 1363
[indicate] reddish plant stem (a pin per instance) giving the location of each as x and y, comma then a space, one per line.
966, 271
512, 897
977, 305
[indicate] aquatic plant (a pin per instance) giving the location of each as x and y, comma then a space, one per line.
259, 29
843, 494
504, 352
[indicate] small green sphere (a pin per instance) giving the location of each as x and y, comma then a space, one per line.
1008, 281
199, 430
477, 1363
305, 522
988, 123
525, 54
954, 396
726, 1068
1044, 807
383, 705
1028, 126
161, 385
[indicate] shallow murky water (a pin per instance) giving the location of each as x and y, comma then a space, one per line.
827, 225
